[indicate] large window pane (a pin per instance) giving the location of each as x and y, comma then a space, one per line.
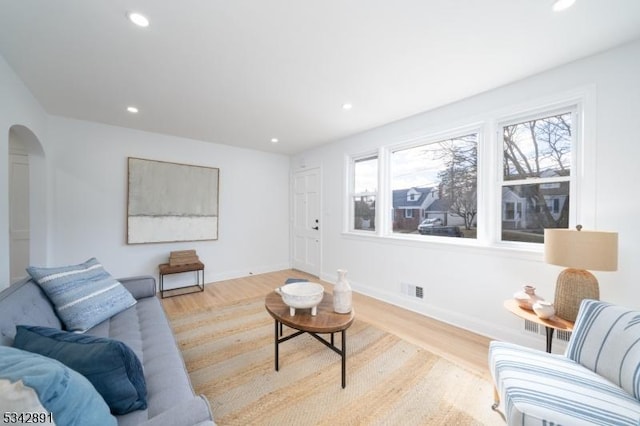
434, 188
365, 188
528, 209
538, 151
364, 208
537, 148
365, 175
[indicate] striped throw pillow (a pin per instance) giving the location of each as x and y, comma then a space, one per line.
84, 295
606, 340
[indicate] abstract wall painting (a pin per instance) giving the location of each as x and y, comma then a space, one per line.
170, 202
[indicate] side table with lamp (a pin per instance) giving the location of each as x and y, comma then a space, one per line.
577, 250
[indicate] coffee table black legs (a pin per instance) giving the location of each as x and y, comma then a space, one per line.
278, 333
330, 344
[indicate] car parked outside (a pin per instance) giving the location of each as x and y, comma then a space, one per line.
429, 223
433, 226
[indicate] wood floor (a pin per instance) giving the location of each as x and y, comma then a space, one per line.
459, 346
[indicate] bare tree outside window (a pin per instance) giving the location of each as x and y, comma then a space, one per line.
459, 180
536, 176
437, 181
365, 189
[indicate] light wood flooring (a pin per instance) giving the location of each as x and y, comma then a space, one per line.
457, 345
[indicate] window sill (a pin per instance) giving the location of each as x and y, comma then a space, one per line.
525, 251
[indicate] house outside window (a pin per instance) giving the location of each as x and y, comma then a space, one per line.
439, 179
536, 175
365, 191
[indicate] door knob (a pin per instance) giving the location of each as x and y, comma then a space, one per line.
316, 228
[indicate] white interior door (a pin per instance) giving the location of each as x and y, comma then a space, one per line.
306, 221
18, 215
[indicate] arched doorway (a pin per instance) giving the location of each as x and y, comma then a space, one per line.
26, 197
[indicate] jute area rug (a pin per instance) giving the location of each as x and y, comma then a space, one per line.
229, 353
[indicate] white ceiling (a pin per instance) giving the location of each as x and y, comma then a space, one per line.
240, 72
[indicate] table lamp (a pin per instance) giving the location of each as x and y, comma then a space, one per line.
578, 251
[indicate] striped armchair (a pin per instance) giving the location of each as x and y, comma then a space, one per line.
596, 382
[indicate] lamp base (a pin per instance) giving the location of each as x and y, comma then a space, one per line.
572, 287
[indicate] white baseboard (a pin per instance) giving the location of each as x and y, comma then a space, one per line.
476, 325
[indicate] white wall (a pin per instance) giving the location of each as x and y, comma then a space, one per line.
79, 194
89, 185
467, 285
18, 107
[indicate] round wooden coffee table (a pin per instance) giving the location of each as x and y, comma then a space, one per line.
324, 322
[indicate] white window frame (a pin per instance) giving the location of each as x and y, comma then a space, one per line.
350, 222
574, 107
488, 127
428, 139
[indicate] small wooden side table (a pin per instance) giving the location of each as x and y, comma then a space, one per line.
550, 325
166, 269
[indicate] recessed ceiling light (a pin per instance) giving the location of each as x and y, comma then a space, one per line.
347, 106
274, 140
132, 109
138, 19
562, 5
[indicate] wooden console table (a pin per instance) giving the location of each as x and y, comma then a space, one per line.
166, 269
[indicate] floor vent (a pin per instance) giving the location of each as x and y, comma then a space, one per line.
419, 292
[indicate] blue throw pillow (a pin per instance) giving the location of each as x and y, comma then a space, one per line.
110, 365
64, 393
84, 295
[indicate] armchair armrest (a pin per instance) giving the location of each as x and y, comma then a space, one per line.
196, 411
140, 286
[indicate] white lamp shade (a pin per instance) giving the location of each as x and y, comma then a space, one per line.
593, 250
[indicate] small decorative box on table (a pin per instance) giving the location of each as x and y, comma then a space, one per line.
179, 262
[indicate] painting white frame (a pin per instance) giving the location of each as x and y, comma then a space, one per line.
170, 202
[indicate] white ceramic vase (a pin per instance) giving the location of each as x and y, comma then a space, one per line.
342, 294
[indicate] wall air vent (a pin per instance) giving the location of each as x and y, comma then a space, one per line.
412, 290
532, 327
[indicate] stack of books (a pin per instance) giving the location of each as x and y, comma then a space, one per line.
183, 257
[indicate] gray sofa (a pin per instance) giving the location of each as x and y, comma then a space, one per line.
144, 328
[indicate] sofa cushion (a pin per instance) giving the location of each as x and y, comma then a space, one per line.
541, 388
110, 365
84, 294
66, 394
606, 340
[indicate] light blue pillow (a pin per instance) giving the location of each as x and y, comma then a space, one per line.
110, 365
66, 394
84, 295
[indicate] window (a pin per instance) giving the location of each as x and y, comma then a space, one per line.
536, 175
365, 190
498, 182
439, 179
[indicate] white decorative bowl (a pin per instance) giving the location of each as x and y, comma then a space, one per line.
544, 310
301, 295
